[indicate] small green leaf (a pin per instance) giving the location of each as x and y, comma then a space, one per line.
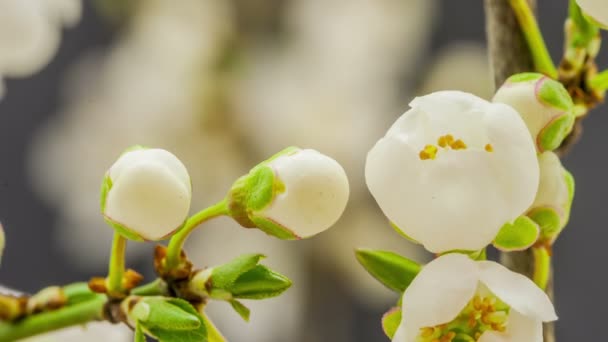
241, 309
391, 321
393, 270
225, 275
259, 283
139, 333
176, 333
517, 236
170, 314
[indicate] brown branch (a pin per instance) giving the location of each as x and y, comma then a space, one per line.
509, 54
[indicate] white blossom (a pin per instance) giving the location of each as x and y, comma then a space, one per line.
30, 33
453, 170
91, 332
480, 299
596, 10
148, 193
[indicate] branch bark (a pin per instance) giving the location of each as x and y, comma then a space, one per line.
509, 54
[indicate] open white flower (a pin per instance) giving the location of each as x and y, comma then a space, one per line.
481, 300
453, 170
294, 194
146, 194
597, 10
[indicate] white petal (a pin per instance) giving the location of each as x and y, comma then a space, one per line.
519, 292
316, 192
91, 332
596, 9
462, 198
520, 328
150, 193
437, 294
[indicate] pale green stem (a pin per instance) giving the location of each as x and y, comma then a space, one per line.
78, 314
213, 334
540, 55
156, 288
599, 82
177, 241
116, 269
542, 266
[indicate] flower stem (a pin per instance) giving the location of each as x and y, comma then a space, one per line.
599, 82
536, 43
77, 314
155, 288
177, 241
213, 334
542, 266
116, 269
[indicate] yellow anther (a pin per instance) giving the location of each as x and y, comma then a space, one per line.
428, 152
426, 332
458, 145
489, 148
445, 140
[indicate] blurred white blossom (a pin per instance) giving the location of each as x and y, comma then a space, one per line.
30, 32
91, 332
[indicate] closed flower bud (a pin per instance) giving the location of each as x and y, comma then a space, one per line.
596, 10
146, 194
551, 208
543, 103
453, 170
295, 194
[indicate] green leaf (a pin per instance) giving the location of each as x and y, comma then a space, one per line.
241, 309
225, 275
139, 333
176, 333
391, 321
258, 283
393, 270
517, 236
169, 314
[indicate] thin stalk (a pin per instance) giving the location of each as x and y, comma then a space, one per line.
156, 288
116, 269
529, 26
177, 241
78, 314
542, 267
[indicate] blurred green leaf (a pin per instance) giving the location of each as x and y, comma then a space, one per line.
393, 270
258, 283
177, 329
241, 309
225, 275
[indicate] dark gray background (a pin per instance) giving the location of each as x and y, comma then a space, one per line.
30, 262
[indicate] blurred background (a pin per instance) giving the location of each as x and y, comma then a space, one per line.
224, 84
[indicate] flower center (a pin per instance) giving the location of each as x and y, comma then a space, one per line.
482, 313
446, 142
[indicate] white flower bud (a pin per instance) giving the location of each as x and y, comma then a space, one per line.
543, 103
295, 194
146, 194
596, 10
453, 170
551, 208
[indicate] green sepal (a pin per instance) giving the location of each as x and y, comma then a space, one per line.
391, 321
175, 333
274, 229
400, 232
517, 236
224, 276
551, 137
392, 270
122, 230
241, 309
106, 185
139, 333
259, 283
554, 94
525, 77
548, 220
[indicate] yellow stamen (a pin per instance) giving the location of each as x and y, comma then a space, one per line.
445, 140
458, 145
429, 152
489, 148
